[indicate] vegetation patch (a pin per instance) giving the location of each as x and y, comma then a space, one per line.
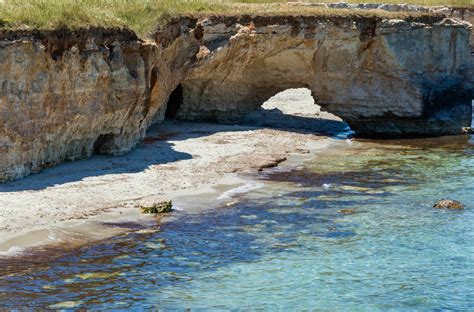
143, 16
163, 207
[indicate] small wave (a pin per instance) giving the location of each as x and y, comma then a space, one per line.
13, 251
52, 235
346, 134
240, 190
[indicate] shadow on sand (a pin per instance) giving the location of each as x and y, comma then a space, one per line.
157, 148
275, 118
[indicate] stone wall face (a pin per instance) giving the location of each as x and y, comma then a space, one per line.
66, 95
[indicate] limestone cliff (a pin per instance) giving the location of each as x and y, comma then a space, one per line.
68, 94
65, 95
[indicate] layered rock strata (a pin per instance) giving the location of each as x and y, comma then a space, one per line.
66, 95
463, 13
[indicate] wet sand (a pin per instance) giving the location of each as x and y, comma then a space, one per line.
97, 198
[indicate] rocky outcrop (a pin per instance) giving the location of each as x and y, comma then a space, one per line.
384, 77
66, 95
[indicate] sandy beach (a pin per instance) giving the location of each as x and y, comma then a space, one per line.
80, 200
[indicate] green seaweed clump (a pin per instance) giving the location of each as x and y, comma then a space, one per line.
163, 207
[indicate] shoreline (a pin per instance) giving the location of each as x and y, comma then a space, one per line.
77, 202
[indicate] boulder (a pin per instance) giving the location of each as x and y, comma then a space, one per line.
448, 204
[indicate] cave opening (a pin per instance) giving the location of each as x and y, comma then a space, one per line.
174, 102
100, 144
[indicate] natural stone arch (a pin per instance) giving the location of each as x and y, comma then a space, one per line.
385, 78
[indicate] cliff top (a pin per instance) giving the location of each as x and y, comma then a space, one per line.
143, 16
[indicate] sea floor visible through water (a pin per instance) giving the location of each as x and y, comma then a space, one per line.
351, 229
71, 202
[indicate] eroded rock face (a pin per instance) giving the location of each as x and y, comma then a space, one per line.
65, 95
384, 77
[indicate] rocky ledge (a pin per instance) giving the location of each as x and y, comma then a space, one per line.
68, 94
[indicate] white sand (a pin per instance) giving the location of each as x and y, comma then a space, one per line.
73, 199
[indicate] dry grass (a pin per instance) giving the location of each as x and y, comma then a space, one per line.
456, 3
144, 15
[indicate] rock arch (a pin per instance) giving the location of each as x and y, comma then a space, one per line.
386, 78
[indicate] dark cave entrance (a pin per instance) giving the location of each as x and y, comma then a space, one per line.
174, 102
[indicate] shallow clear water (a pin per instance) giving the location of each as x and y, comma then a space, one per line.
287, 246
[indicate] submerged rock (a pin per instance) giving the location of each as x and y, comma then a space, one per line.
347, 211
163, 207
448, 204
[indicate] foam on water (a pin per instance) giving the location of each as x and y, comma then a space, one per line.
13, 251
239, 190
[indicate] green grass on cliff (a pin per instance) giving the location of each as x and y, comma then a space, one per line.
144, 15
139, 15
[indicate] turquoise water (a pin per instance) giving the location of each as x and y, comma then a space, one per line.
286, 246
